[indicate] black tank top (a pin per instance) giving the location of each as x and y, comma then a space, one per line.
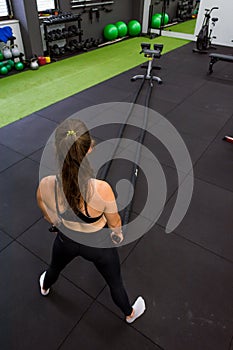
71, 215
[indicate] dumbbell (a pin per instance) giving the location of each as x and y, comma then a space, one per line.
64, 32
62, 50
100, 41
72, 47
74, 42
56, 50
79, 46
53, 35
92, 42
87, 44
66, 47
95, 43
58, 34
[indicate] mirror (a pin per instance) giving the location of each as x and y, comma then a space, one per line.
180, 17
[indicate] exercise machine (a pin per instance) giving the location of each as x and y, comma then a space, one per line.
151, 55
203, 42
215, 57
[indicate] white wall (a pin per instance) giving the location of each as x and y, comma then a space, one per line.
223, 29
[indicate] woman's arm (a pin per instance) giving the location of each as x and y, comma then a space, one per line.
49, 214
111, 212
42, 206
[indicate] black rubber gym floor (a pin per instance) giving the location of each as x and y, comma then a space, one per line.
185, 276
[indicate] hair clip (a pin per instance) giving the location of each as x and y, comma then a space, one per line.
70, 133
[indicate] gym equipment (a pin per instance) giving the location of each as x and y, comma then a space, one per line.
86, 4
166, 19
72, 30
11, 63
203, 42
19, 66
122, 28
8, 66
184, 10
41, 60
110, 32
34, 64
3, 70
6, 52
55, 50
156, 21
14, 50
134, 27
153, 20
145, 48
196, 9
151, 55
63, 33
61, 18
228, 139
215, 57
158, 18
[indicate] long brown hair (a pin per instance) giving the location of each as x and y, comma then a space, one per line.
73, 140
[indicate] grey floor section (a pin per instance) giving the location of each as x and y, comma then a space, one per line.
185, 276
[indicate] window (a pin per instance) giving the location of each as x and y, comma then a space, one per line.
5, 9
43, 5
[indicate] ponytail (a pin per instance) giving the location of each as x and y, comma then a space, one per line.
72, 140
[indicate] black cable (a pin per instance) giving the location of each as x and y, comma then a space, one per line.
105, 171
134, 176
139, 143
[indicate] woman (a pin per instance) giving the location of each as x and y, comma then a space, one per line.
75, 202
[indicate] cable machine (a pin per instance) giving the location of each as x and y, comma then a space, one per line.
151, 55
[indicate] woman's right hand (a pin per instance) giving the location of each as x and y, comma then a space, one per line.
117, 238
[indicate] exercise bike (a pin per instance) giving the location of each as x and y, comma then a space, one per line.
203, 42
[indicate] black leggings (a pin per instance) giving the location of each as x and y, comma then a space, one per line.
106, 261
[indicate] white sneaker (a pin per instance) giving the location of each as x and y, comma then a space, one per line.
139, 308
41, 281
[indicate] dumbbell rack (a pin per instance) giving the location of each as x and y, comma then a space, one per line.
184, 9
61, 36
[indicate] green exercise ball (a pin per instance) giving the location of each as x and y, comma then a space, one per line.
122, 29
19, 66
134, 27
3, 70
1, 56
166, 19
156, 21
110, 32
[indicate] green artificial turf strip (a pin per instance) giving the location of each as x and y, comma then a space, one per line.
187, 27
29, 91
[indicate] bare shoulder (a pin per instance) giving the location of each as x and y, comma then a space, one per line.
47, 181
103, 189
